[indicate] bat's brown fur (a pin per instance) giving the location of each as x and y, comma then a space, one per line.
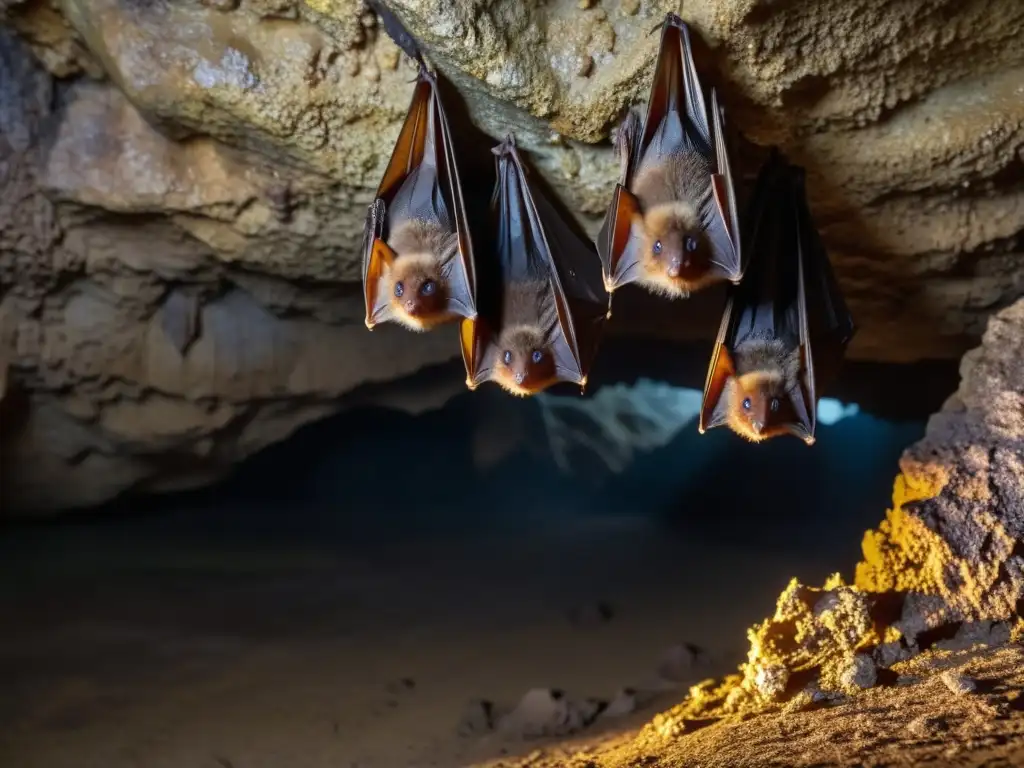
766, 370
529, 318
670, 193
422, 249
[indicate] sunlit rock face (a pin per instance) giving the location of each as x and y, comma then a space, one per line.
943, 570
185, 185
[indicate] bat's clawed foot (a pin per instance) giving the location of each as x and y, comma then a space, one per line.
674, 19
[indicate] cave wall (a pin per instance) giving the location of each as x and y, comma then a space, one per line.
184, 186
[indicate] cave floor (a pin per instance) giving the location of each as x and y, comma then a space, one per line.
164, 643
919, 721
145, 642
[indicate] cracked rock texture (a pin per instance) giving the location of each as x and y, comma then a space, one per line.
944, 570
184, 186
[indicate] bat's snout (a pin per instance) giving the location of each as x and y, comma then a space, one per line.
757, 426
520, 377
677, 265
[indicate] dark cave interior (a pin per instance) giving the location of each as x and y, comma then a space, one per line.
462, 528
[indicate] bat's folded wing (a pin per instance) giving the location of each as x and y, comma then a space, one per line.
712, 409
829, 323
721, 216
676, 111
617, 244
580, 294
377, 258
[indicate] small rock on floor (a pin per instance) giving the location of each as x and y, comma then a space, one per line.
860, 672
624, 703
958, 684
548, 712
681, 662
477, 718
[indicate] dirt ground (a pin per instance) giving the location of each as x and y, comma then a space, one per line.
920, 719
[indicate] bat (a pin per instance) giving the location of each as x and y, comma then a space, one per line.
543, 317
785, 327
672, 226
418, 266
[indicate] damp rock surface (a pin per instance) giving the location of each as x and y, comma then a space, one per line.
185, 187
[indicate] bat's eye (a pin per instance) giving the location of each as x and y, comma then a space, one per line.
690, 244
428, 288
746, 404
657, 246
507, 357
775, 404
537, 356
399, 289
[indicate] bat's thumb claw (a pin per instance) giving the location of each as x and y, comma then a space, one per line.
470, 384
369, 324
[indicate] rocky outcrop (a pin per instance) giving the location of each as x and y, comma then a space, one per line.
185, 184
945, 569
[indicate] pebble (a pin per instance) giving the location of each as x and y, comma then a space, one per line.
680, 661
860, 672
477, 718
958, 684
624, 703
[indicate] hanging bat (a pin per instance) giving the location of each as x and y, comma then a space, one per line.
672, 226
544, 314
786, 327
418, 267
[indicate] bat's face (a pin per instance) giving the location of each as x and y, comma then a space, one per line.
758, 405
525, 364
675, 254
418, 294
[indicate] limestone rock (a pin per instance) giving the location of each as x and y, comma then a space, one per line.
185, 186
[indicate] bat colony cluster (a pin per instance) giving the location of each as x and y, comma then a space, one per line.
672, 227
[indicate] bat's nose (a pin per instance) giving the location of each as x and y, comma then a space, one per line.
757, 426
520, 377
410, 306
674, 267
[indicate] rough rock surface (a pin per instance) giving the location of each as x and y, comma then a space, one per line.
943, 572
184, 185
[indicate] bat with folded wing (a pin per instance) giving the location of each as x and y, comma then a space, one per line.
672, 225
418, 267
542, 319
786, 326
